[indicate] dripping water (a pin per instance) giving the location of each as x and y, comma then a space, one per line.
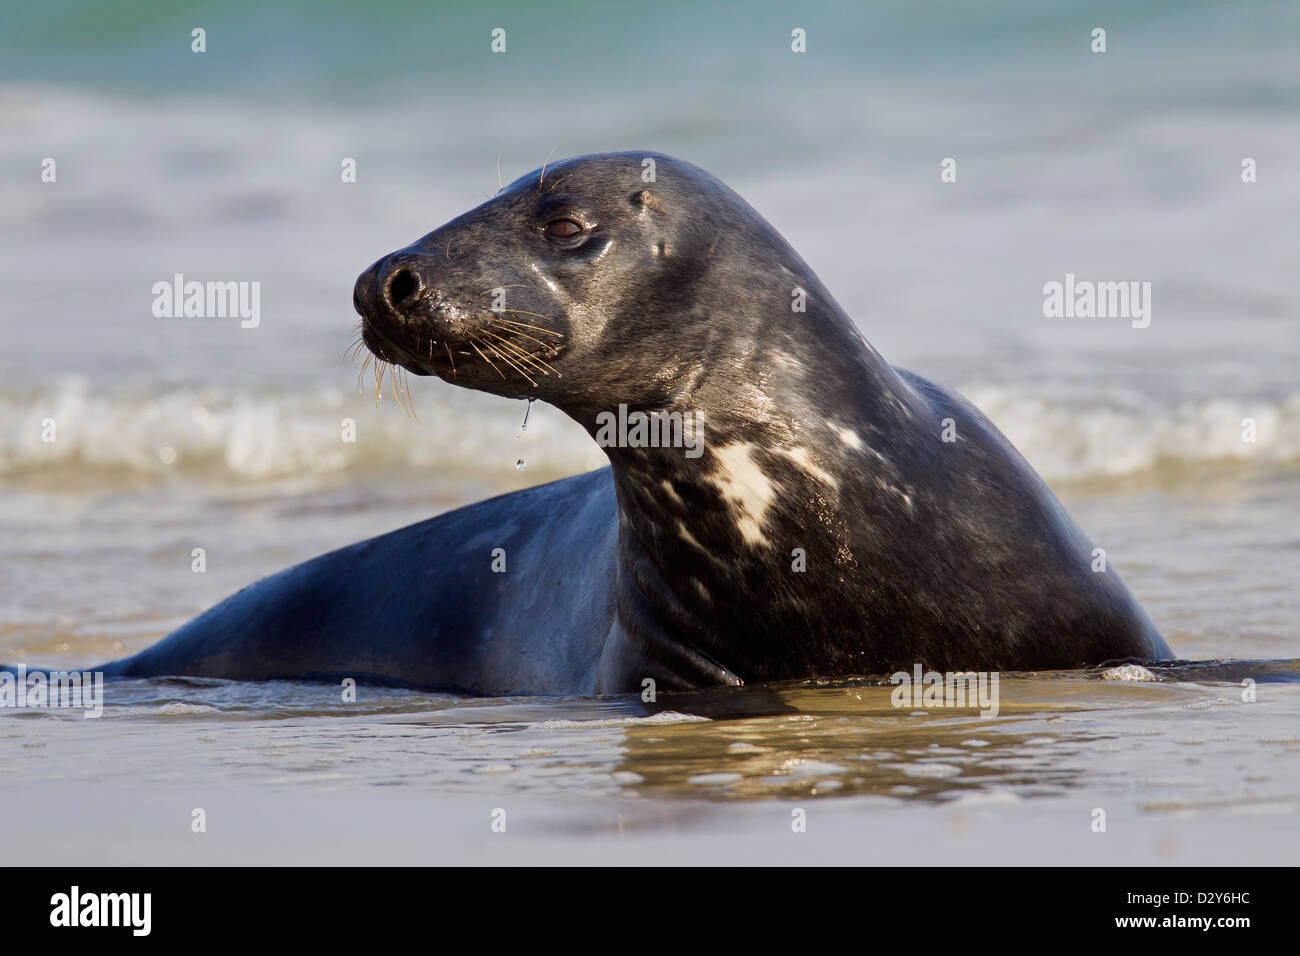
527, 411
520, 463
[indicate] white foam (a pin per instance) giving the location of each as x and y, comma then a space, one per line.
666, 717
232, 433
1128, 672
178, 708
1114, 436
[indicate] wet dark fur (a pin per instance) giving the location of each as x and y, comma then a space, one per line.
677, 297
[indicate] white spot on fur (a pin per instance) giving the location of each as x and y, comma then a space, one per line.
745, 488
803, 458
849, 437
894, 490
671, 491
687, 536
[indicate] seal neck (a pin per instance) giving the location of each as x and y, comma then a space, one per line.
725, 487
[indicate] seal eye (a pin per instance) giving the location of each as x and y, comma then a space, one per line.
562, 229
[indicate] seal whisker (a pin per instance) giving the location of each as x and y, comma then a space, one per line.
535, 328
381, 369
524, 354
378, 375
542, 178
410, 400
449, 358
398, 387
513, 363
527, 326
488, 360
508, 360
364, 365
548, 318
521, 361
522, 335
526, 377
485, 358
514, 345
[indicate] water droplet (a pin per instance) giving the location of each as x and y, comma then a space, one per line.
527, 411
520, 464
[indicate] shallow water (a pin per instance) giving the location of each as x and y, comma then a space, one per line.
177, 434
1178, 763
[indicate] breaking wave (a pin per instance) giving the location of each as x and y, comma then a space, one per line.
231, 433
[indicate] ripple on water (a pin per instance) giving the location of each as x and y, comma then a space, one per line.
848, 742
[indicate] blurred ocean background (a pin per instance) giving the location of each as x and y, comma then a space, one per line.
174, 434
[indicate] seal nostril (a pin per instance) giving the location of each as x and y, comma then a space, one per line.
401, 286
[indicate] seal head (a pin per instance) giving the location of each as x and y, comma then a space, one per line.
582, 285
